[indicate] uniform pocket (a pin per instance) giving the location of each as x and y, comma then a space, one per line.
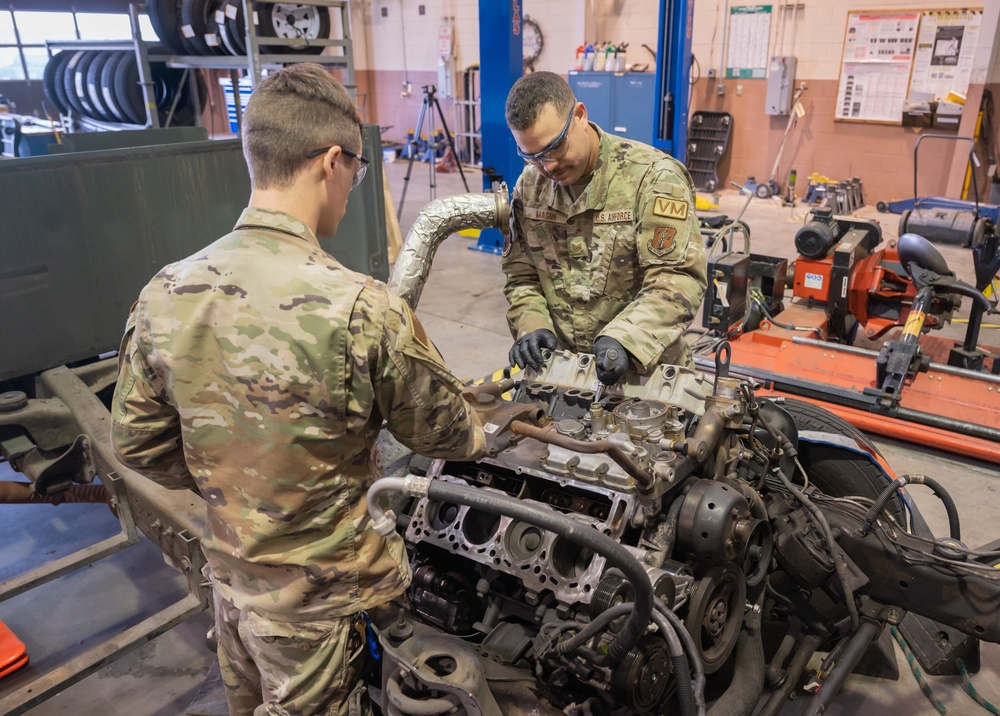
622, 273
302, 635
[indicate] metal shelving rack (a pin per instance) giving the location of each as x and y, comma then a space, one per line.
253, 62
467, 112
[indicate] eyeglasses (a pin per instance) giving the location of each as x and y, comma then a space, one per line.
359, 173
555, 149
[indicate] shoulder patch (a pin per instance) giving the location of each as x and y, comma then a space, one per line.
508, 242
419, 334
662, 241
670, 208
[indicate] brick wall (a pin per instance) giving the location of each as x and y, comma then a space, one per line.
881, 155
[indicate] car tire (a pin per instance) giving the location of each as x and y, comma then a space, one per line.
287, 19
194, 25
94, 71
213, 37
835, 471
165, 17
52, 81
236, 29
127, 91
69, 83
108, 86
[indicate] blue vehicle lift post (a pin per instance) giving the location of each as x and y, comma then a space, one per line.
673, 77
501, 64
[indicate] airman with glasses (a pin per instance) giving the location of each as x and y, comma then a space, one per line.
604, 254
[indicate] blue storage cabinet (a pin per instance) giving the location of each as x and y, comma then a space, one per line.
595, 89
620, 103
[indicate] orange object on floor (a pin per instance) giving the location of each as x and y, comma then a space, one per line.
13, 653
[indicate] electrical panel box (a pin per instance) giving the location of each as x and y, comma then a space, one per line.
726, 296
780, 85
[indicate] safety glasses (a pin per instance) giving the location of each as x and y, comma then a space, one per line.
359, 173
555, 148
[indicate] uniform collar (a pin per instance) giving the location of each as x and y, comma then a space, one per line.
255, 218
595, 196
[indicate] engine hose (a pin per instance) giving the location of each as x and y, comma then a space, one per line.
698, 680
954, 525
573, 530
418, 707
839, 565
850, 657
748, 677
682, 670
807, 648
596, 626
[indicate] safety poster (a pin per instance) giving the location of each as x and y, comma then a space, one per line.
945, 49
749, 37
875, 67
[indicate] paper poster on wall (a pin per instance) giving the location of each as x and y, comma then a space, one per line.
945, 49
749, 38
875, 66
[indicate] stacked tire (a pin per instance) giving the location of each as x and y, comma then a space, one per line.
218, 27
104, 86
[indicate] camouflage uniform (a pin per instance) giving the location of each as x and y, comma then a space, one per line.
624, 260
259, 372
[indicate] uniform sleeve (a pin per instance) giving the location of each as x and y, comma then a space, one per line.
528, 310
145, 428
419, 398
672, 258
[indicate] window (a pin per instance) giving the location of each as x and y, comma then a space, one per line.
23, 35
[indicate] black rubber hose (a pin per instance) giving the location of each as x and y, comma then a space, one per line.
807, 648
680, 631
577, 532
852, 654
682, 670
839, 565
596, 626
685, 693
748, 676
954, 525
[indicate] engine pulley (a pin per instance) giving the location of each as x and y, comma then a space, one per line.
715, 614
707, 525
642, 680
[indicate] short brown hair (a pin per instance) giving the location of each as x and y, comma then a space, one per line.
531, 93
292, 112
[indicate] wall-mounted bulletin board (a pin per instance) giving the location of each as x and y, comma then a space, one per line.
875, 67
892, 56
946, 46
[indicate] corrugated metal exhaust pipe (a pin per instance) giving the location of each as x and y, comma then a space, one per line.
436, 222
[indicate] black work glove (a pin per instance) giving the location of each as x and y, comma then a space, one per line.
611, 360
527, 350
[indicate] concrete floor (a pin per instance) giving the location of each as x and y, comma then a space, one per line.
462, 308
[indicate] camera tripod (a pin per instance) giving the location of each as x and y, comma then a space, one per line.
430, 99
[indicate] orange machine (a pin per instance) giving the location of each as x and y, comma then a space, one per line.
917, 387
